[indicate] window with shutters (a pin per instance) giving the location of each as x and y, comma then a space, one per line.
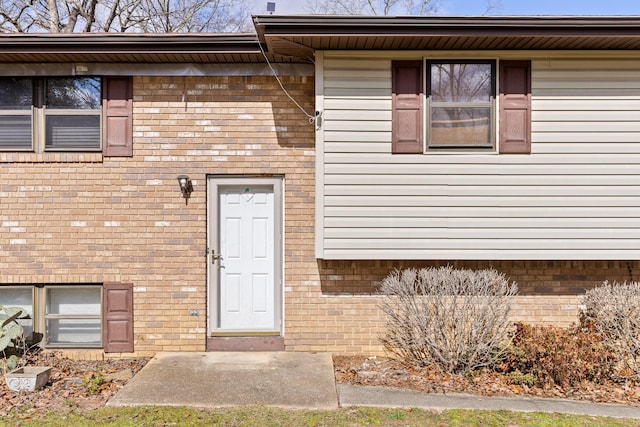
72, 316
50, 114
67, 114
460, 105
459, 99
75, 315
71, 110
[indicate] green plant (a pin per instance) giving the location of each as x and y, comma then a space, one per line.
517, 377
11, 337
11, 329
9, 363
397, 415
262, 416
93, 382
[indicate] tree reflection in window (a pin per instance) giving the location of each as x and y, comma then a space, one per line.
15, 93
73, 93
461, 96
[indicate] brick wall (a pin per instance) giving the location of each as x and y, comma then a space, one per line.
548, 293
533, 277
78, 218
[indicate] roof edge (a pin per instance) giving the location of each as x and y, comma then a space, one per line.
130, 42
435, 20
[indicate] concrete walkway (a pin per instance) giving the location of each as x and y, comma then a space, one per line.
350, 395
221, 379
303, 381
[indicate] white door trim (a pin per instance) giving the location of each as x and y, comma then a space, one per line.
214, 185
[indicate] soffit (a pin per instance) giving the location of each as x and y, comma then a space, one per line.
300, 36
133, 48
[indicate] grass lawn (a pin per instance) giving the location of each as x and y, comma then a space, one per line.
262, 416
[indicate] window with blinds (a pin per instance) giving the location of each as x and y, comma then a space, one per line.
50, 114
16, 111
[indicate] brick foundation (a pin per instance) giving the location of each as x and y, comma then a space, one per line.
533, 277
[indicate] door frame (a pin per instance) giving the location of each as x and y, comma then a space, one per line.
214, 183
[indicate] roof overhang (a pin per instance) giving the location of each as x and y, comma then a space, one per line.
295, 38
129, 48
300, 36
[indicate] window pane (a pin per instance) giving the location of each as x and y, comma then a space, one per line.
73, 300
461, 82
70, 132
15, 93
15, 132
461, 126
17, 297
20, 297
73, 93
85, 332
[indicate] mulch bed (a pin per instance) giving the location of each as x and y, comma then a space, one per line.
73, 385
380, 371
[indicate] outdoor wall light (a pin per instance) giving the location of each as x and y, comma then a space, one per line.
186, 187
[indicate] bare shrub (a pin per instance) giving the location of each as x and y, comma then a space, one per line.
453, 319
613, 310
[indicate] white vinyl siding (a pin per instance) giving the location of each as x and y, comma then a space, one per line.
576, 196
357, 120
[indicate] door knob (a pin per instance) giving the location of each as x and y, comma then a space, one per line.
215, 256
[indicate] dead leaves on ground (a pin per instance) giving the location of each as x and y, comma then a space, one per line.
359, 370
69, 387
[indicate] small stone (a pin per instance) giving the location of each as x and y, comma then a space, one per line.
73, 381
367, 375
399, 374
122, 375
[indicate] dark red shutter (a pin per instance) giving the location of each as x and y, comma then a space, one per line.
515, 107
407, 100
117, 121
117, 309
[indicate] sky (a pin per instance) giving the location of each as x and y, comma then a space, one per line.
509, 7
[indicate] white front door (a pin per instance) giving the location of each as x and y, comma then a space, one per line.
244, 257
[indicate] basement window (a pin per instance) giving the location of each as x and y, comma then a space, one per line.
58, 316
73, 316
